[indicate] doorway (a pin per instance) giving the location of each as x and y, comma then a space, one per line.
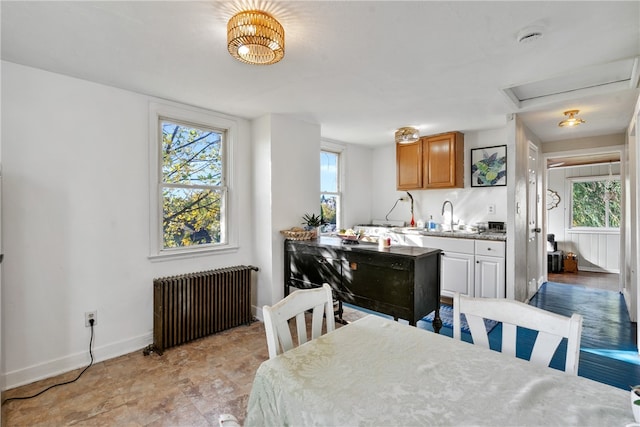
596, 248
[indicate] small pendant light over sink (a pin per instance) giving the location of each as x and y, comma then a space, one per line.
407, 135
255, 37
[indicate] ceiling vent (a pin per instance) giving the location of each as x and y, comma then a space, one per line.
597, 79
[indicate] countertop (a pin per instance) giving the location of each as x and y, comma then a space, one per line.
336, 242
485, 235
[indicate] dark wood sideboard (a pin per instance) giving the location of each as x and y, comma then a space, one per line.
400, 281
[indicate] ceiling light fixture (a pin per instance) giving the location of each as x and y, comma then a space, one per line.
571, 120
255, 37
407, 135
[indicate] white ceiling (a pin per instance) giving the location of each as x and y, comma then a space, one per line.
360, 69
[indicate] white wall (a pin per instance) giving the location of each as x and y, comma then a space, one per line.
595, 251
287, 185
522, 255
470, 203
76, 199
75, 222
357, 190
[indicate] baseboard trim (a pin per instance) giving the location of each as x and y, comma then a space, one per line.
75, 361
257, 312
598, 270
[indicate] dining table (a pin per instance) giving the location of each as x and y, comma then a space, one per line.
379, 372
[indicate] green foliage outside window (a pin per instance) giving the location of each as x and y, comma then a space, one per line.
192, 185
596, 204
328, 204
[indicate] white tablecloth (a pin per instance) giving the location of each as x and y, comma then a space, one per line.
376, 372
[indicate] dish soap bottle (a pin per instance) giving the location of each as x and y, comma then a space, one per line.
431, 224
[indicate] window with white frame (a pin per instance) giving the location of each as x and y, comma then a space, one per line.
330, 193
595, 202
190, 199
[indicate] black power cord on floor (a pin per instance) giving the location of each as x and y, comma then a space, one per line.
64, 383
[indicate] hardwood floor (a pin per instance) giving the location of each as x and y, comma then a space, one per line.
606, 281
608, 349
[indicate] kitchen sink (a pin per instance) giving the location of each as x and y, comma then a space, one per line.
422, 231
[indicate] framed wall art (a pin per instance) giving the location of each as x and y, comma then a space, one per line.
489, 166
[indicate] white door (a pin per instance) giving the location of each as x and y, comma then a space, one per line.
533, 212
457, 273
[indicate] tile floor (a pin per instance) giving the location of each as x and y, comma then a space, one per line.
189, 385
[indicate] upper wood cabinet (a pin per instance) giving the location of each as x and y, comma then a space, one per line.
409, 165
435, 161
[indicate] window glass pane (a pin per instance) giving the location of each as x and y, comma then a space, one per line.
614, 197
329, 206
191, 155
328, 172
191, 216
596, 204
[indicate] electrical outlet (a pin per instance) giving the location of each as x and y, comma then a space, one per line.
492, 209
88, 315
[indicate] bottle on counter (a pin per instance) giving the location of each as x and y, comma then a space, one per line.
431, 225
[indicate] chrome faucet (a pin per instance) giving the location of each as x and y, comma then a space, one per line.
450, 219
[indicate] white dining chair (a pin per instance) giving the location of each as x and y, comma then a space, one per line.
551, 327
294, 306
228, 420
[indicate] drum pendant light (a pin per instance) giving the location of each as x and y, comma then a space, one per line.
255, 37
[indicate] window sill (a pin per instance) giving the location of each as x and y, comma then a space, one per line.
190, 253
593, 230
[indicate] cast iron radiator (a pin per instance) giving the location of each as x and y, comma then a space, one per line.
192, 306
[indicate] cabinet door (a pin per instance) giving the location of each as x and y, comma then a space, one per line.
490, 277
409, 166
456, 274
377, 282
443, 160
310, 268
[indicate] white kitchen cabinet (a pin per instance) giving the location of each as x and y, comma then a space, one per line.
456, 273
457, 267
468, 266
489, 269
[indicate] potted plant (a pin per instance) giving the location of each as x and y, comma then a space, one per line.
313, 222
635, 402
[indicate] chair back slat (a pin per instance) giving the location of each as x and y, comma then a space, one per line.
544, 348
477, 329
551, 327
509, 336
293, 308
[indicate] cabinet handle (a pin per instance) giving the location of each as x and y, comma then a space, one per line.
477, 262
488, 249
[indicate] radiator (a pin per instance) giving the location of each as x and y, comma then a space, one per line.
192, 306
